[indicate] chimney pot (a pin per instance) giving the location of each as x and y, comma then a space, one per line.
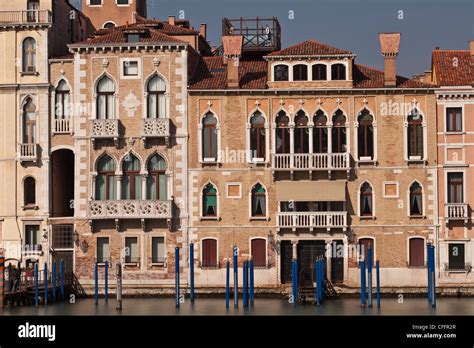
232, 47
389, 47
171, 20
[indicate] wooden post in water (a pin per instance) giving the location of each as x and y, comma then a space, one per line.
2, 276
118, 271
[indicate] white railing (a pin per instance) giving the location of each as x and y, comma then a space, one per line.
105, 128
312, 219
311, 161
28, 152
155, 127
62, 126
130, 209
456, 211
25, 17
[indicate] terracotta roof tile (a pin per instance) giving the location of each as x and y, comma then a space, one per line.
367, 77
447, 73
309, 48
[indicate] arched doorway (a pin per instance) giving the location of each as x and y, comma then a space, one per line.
62, 183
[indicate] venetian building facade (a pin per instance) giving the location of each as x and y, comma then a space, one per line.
452, 73
29, 40
300, 150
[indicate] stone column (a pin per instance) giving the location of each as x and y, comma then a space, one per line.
328, 259
144, 178
119, 187
294, 243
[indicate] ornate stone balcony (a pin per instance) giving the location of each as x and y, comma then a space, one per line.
25, 18
62, 126
456, 211
129, 209
311, 162
311, 220
156, 128
105, 129
28, 152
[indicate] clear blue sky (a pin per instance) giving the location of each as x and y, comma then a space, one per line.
348, 24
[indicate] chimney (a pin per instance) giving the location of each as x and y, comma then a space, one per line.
389, 47
203, 30
171, 20
232, 46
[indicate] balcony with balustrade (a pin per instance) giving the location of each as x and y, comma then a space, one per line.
456, 211
312, 220
129, 209
104, 129
62, 126
311, 162
27, 18
28, 152
156, 128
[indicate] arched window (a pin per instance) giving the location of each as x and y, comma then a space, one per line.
339, 132
209, 201
156, 98
301, 135
364, 244
338, 72
29, 122
131, 181
29, 55
105, 98
282, 131
257, 136
209, 253
365, 136
417, 252
416, 199
62, 100
156, 181
320, 132
280, 72
29, 191
259, 199
259, 252
105, 187
300, 72
415, 135
366, 200
109, 25
209, 137
319, 72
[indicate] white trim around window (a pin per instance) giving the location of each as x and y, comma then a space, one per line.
266, 216
424, 248
374, 248
123, 62
423, 200
217, 251
266, 248
454, 105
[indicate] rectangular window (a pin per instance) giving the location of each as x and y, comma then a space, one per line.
453, 119
130, 68
123, 2
131, 249
209, 253
103, 253
133, 37
32, 236
157, 249
259, 252
63, 236
455, 188
95, 2
456, 256
417, 252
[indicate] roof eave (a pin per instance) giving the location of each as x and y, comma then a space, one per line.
73, 47
318, 56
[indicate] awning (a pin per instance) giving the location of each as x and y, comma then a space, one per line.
311, 191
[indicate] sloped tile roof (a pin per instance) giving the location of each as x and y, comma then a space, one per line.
309, 48
452, 67
367, 77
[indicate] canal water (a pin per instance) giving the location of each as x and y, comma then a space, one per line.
264, 306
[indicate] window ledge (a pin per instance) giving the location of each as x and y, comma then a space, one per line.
29, 73
367, 217
415, 217
102, 264
157, 264
415, 159
366, 162
30, 207
211, 218
455, 133
259, 218
132, 265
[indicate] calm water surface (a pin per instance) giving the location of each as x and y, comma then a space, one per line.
265, 306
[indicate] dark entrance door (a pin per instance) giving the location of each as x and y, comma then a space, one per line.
286, 256
456, 256
68, 257
337, 261
308, 252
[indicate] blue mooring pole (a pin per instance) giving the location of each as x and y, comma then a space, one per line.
428, 254
191, 272
245, 285
362, 283
106, 281
61, 278
176, 257
236, 277
252, 278
227, 283
96, 283
321, 279
45, 283
53, 281
377, 280
316, 274
369, 275
36, 283
433, 277
295, 281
